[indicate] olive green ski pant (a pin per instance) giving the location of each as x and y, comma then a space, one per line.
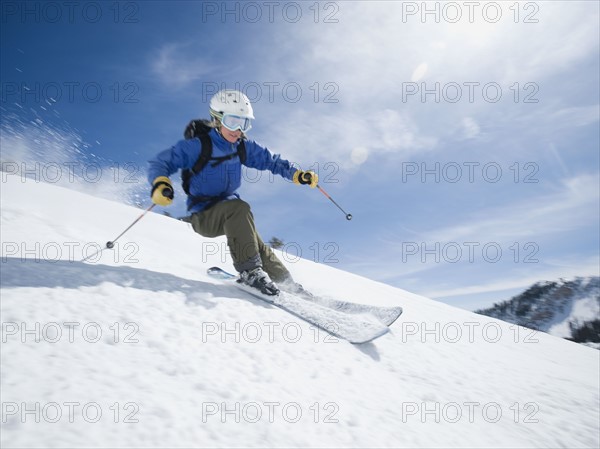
234, 219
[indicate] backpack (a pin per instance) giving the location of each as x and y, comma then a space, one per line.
200, 129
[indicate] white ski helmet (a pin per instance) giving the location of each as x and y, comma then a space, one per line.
229, 101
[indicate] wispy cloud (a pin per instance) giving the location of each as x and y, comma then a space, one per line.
574, 204
577, 116
349, 139
527, 230
552, 271
177, 65
370, 75
470, 128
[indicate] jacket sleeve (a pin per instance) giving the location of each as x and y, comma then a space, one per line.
181, 155
261, 159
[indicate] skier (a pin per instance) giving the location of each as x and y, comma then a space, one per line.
215, 205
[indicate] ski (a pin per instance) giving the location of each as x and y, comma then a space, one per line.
356, 328
386, 315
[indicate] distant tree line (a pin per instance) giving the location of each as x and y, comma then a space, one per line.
588, 331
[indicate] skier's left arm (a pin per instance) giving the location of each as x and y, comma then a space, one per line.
262, 159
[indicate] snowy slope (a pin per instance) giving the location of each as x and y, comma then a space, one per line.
141, 349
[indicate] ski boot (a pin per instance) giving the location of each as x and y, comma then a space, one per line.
259, 280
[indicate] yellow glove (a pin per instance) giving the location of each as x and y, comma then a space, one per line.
162, 191
306, 178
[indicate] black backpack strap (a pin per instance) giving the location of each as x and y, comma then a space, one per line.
200, 129
241, 151
218, 160
205, 153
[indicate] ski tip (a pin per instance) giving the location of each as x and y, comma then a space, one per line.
219, 273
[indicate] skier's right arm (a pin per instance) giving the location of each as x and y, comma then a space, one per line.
165, 164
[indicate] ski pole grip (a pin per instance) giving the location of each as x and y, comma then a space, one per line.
168, 193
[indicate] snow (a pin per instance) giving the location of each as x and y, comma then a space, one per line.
586, 308
140, 348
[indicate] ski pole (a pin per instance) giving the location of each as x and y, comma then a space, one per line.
111, 243
348, 216
167, 192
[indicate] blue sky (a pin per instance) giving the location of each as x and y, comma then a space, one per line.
463, 138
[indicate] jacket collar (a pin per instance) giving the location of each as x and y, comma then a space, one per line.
221, 141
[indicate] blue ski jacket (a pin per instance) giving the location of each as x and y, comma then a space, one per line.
220, 181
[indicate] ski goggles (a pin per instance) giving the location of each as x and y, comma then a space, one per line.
235, 122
